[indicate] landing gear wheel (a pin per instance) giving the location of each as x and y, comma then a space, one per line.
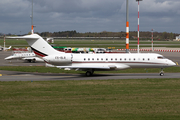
33, 61
88, 73
161, 74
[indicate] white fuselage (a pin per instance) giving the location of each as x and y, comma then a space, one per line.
30, 57
114, 61
20, 56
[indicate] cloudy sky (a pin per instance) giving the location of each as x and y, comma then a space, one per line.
88, 15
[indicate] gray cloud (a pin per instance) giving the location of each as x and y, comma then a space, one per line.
88, 15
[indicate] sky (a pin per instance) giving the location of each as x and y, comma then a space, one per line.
88, 15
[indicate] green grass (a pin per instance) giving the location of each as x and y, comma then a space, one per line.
113, 43
42, 69
95, 43
14, 42
39, 69
140, 99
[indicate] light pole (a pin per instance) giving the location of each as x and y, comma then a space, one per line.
138, 25
152, 41
4, 42
32, 29
127, 27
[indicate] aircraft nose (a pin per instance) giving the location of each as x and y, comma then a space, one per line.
172, 64
8, 58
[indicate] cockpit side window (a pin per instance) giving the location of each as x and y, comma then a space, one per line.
161, 57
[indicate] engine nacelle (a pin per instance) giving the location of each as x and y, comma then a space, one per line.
59, 59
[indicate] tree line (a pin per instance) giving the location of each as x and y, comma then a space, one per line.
144, 35
132, 34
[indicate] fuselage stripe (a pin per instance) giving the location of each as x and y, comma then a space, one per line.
117, 62
38, 52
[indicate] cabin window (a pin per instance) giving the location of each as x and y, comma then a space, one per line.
106, 59
88, 58
134, 59
101, 58
148, 59
120, 58
92, 58
129, 58
124, 58
84, 58
116, 59
97, 58
143, 59
111, 58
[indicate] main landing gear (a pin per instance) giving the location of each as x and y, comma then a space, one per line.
162, 72
89, 73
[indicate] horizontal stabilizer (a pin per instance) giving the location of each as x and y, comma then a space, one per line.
24, 37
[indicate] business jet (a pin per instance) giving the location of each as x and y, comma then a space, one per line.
95, 62
5, 48
29, 57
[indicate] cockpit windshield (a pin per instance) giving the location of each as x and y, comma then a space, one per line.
161, 57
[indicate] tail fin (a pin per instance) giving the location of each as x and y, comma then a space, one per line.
9, 47
39, 45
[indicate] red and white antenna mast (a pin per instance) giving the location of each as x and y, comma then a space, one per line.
127, 27
138, 25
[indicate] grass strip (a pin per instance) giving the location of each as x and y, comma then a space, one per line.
92, 43
140, 99
42, 69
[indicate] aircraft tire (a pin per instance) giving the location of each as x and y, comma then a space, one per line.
88, 73
29, 61
33, 61
161, 74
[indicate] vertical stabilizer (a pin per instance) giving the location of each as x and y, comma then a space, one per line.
39, 45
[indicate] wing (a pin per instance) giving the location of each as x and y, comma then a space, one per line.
105, 67
82, 67
35, 59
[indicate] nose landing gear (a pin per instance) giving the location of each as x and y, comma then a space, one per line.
162, 72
